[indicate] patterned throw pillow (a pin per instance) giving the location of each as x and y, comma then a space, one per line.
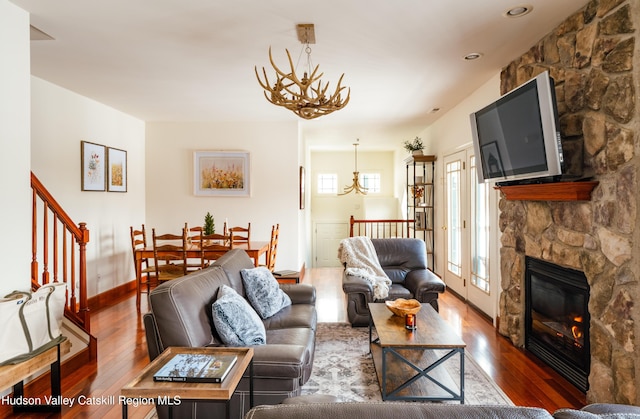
263, 291
235, 321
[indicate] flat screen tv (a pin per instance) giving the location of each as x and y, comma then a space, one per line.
517, 137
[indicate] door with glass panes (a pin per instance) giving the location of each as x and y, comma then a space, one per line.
470, 269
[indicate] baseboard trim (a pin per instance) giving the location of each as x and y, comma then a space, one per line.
471, 305
108, 297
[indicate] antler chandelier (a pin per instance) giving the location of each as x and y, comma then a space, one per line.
307, 96
359, 189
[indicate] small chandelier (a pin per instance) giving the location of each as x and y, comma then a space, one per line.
359, 189
300, 95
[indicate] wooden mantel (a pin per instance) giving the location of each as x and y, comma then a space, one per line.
557, 191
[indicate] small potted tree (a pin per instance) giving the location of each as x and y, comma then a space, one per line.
414, 146
209, 225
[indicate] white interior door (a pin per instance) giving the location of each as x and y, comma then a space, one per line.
470, 269
482, 288
327, 239
455, 192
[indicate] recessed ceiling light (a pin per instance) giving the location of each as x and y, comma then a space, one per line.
518, 11
472, 56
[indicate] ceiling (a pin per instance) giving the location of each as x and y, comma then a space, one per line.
193, 60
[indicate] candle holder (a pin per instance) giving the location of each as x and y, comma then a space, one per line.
410, 321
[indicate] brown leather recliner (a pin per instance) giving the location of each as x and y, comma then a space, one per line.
404, 260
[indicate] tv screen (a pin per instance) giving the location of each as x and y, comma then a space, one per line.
516, 136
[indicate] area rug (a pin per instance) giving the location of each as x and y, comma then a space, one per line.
344, 368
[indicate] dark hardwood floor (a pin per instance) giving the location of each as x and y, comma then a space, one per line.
122, 353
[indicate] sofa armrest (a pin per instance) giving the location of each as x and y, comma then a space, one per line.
596, 410
154, 346
278, 361
300, 293
357, 284
423, 281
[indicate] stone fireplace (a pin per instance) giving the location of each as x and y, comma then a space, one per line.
593, 58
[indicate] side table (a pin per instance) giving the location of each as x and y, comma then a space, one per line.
168, 393
287, 277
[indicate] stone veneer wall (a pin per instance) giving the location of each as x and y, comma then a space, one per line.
593, 58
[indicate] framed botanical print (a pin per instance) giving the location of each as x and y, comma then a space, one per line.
92, 164
221, 173
116, 170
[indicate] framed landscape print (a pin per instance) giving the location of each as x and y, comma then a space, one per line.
116, 170
92, 164
221, 173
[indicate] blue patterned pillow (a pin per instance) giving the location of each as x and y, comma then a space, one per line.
235, 321
263, 291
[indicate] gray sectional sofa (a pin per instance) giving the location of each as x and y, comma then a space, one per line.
400, 410
181, 315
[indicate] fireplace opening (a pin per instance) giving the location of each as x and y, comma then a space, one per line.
557, 319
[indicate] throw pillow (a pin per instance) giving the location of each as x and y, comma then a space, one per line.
235, 321
263, 291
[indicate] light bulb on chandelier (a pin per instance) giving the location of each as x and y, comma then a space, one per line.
300, 95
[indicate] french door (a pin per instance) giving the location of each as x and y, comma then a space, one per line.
470, 271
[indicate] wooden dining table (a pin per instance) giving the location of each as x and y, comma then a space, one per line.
254, 248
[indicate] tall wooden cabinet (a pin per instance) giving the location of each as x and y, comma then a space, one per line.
420, 200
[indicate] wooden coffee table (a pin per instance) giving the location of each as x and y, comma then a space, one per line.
409, 364
143, 388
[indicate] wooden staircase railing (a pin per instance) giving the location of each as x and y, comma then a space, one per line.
59, 253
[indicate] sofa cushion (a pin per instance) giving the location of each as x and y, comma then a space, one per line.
296, 315
182, 308
263, 291
398, 291
235, 321
232, 263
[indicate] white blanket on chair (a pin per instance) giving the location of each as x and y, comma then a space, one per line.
361, 259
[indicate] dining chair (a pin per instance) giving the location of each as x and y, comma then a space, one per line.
147, 271
273, 247
169, 252
238, 234
213, 246
193, 237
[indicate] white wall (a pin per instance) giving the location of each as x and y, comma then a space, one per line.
449, 134
274, 153
15, 249
62, 119
339, 208
333, 209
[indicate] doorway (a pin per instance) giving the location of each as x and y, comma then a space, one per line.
327, 237
470, 268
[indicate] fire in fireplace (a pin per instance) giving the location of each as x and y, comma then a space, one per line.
557, 319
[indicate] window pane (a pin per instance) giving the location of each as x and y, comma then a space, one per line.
370, 181
454, 221
479, 231
327, 183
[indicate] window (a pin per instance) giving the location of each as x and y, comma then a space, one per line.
370, 181
454, 217
327, 183
480, 231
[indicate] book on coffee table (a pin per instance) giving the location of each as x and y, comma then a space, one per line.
196, 368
